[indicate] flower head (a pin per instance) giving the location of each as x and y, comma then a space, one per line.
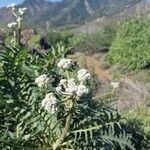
50, 103
12, 5
59, 89
83, 75
22, 11
115, 85
63, 82
82, 90
71, 86
12, 24
42, 81
65, 63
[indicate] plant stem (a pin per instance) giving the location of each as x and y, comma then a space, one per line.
64, 134
67, 74
100, 96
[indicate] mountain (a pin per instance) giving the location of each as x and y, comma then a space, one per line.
67, 12
139, 10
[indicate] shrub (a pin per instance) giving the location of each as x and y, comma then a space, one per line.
139, 125
58, 37
131, 47
103, 40
34, 42
96, 42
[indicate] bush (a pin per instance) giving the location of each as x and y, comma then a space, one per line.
103, 41
139, 125
97, 42
61, 37
34, 42
131, 47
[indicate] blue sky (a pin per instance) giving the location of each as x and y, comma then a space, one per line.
6, 2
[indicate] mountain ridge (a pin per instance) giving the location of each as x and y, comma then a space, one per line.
67, 12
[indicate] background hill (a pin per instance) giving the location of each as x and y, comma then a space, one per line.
138, 10
68, 12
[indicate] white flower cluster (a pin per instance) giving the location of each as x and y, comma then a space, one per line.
65, 63
83, 75
50, 103
115, 85
82, 90
42, 81
71, 88
12, 25
18, 13
12, 5
22, 11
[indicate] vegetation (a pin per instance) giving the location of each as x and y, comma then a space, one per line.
58, 37
102, 41
67, 117
95, 42
138, 120
48, 102
131, 46
47, 13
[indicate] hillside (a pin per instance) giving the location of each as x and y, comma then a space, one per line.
140, 9
67, 12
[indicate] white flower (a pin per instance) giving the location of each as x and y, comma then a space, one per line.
50, 103
12, 5
19, 19
115, 85
83, 75
59, 89
71, 86
71, 82
12, 24
82, 90
42, 81
65, 63
22, 11
63, 82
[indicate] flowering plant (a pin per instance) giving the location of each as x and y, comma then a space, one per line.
57, 113
77, 117
16, 25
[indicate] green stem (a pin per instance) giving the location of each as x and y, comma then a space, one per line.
15, 37
67, 74
64, 134
103, 95
19, 32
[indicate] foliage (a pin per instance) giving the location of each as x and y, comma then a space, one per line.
139, 124
95, 42
58, 37
131, 48
77, 123
101, 41
24, 124
20, 111
34, 41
